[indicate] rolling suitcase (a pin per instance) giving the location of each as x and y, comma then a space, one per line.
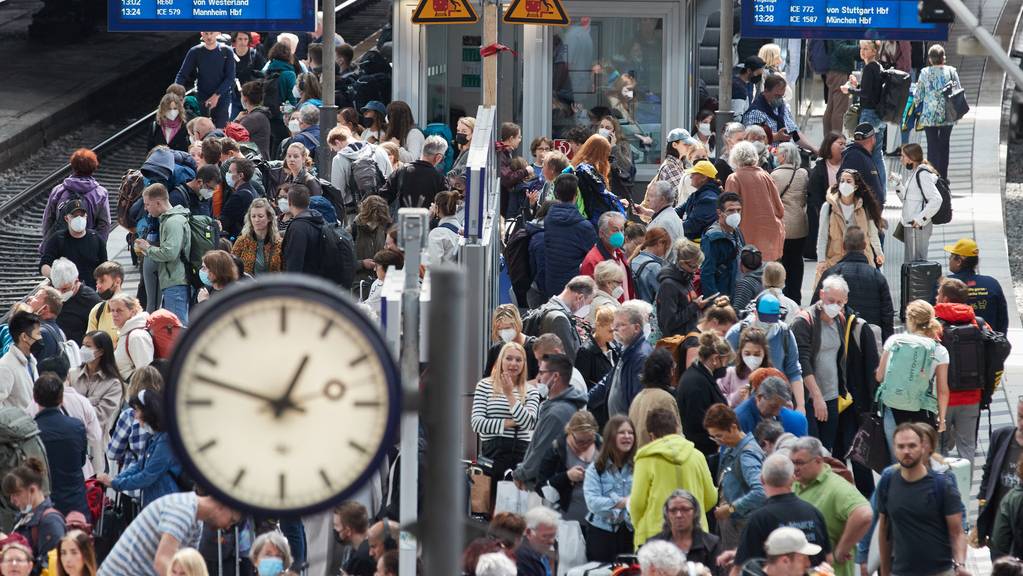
919, 279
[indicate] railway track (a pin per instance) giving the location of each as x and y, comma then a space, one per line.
24, 190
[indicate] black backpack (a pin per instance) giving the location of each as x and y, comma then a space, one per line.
996, 351
944, 214
532, 324
364, 176
337, 257
372, 87
516, 261
966, 353
330, 192
272, 94
373, 62
894, 94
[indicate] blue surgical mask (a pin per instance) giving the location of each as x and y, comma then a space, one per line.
230, 180
204, 277
617, 240
271, 566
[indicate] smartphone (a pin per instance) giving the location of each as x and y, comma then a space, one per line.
712, 297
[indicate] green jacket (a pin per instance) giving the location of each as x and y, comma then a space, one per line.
175, 239
1007, 537
842, 55
660, 467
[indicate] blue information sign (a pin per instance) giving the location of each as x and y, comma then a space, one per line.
211, 15
831, 19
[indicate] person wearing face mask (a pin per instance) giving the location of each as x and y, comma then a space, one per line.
743, 80
698, 390
740, 460
609, 278
109, 277
752, 355
48, 303
169, 124
374, 121
218, 271
677, 311
704, 129
81, 185
271, 554
99, 381
921, 200
563, 400
77, 299
558, 315
504, 412
757, 135
675, 161
720, 246
631, 328
84, 247
769, 111
304, 126
236, 207
157, 473
780, 341
506, 326
819, 332
610, 239
598, 356
869, 293
18, 366
463, 140
859, 156
661, 198
848, 204
36, 522
756, 188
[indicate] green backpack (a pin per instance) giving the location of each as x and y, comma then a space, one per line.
907, 378
203, 233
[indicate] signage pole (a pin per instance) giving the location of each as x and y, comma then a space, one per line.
444, 508
413, 225
725, 65
490, 62
328, 111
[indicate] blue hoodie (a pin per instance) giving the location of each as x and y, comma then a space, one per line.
568, 237
720, 260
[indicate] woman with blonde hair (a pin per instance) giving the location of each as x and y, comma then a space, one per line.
169, 124
913, 373
259, 244
597, 357
563, 467
295, 170
135, 345
188, 562
506, 326
610, 279
698, 389
771, 55
592, 164
646, 263
504, 412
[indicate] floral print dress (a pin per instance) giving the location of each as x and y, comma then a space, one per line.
929, 97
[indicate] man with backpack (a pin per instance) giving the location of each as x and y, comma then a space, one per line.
358, 169
172, 255
558, 315
963, 335
567, 236
921, 510
415, 184
19, 441
301, 251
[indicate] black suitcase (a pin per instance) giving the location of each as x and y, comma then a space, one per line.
919, 280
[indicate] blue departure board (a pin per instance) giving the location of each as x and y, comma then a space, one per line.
837, 19
211, 15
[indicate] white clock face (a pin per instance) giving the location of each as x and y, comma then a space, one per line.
282, 402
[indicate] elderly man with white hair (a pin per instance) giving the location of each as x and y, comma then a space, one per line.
610, 239
631, 327
660, 558
661, 197
534, 556
819, 332
78, 299
416, 184
765, 228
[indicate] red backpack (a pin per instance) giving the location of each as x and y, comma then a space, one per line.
163, 326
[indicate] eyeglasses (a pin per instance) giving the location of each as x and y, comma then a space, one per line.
681, 510
14, 562
543, 149
800, 463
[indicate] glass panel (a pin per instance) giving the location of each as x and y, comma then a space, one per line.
611, 65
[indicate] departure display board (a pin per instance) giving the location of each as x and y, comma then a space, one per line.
211, 15
837, 19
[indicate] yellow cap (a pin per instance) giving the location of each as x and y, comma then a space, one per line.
965, 247
704, 167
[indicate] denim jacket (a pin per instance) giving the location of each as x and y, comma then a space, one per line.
602, 491
154, 473
739, 473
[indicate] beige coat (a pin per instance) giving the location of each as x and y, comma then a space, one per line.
831, 233
793, 181
762, 222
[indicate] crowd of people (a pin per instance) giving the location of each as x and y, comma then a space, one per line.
657, 382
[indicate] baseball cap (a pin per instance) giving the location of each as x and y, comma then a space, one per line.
751, 257
789, 540
768, 310
683, 135
376, 106
753, 63
704, 167
965, 247
863, 131
70, 207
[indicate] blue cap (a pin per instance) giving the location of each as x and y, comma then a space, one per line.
376, 106
768, 308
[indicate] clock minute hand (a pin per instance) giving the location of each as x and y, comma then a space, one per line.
285, 402
239, 390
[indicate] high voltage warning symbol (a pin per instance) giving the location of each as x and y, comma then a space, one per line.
542, 12
444, 12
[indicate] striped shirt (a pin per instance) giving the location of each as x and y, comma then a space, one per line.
133, 555
490, 410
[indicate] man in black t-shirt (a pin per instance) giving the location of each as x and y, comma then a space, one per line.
923, 510
351, 522
783, 509
76, 243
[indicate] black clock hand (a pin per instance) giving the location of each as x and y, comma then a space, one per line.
285, 402
242, 391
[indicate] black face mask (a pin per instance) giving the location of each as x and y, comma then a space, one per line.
37, 348
366, 122
107, 294
908, 165
719, 372
461, 139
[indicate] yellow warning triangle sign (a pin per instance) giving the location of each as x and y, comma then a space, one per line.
444, 12
542, 12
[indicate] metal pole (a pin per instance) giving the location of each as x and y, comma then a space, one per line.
725, 65
413, 225
328, 111
986, 39
441, 525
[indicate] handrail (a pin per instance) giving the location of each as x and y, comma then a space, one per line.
7, 314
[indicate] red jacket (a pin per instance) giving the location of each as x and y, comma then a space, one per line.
959, 314
598, 254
